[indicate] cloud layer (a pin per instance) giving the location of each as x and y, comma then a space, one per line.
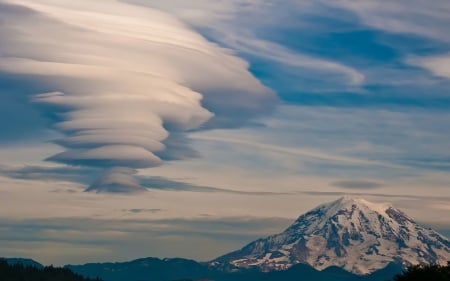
118, 80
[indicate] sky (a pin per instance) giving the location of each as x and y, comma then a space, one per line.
170, 128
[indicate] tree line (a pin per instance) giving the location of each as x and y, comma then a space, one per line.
19, 272
432, 272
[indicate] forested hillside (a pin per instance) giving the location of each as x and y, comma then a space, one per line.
425, 272
19, 272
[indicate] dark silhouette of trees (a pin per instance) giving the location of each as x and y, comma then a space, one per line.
431, 272
19, 272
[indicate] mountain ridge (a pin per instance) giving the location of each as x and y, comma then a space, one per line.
155, 269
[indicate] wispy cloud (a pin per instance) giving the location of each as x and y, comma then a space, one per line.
308, 153
367, 144
357, 184
136, 211
238, 24
277, 53
160, 183
50, 173
410, 17
438, 65
116, 181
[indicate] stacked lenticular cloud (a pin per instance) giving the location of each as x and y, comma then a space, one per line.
121, 79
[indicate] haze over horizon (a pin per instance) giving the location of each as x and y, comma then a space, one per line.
139, 128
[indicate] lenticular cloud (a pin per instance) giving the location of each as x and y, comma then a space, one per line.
121, 79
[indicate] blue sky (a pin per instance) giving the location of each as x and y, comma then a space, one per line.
213, 123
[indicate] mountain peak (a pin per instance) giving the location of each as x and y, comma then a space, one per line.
351, 233
348, 202
346, 211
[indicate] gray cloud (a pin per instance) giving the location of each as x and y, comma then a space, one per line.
123, 88
161, 183
249, 226
357, 184
137, 211
115, 180
65, 173
365, 194
177, 148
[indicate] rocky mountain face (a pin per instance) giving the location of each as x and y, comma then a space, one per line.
354, 234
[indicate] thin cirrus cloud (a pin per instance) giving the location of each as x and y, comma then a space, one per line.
118, 80
357, 184
409, 17
438, 65
238, 25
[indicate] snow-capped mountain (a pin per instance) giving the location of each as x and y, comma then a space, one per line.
353, 234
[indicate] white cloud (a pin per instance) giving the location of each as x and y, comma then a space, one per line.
438, 65
238, 23
124, 77
278, 53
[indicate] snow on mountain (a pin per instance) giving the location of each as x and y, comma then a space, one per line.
354, 234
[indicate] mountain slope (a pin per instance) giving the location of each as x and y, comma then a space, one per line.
143, 269
353, 234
